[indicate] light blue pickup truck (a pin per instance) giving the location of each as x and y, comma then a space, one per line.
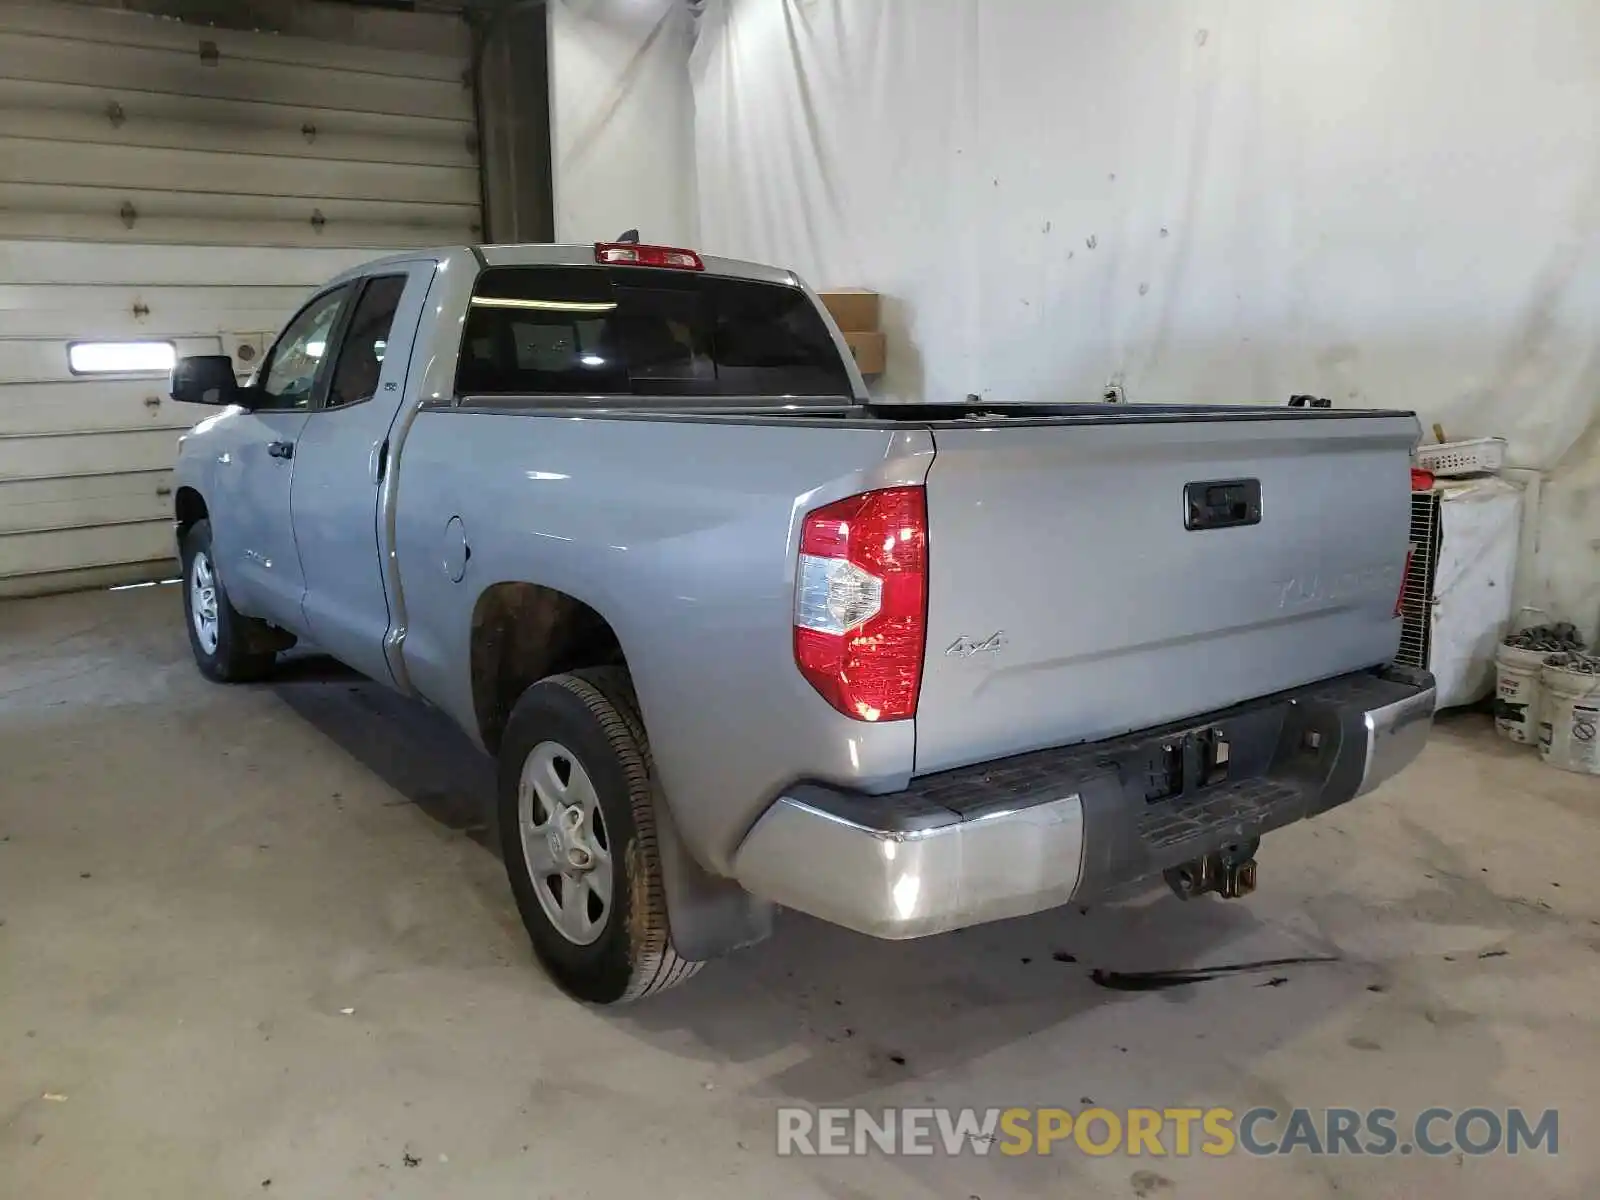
740, 637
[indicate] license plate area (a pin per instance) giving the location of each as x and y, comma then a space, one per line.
1184, 763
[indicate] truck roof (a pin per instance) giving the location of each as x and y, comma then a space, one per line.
556, 254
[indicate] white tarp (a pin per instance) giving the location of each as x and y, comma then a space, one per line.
621, 120
1386, 204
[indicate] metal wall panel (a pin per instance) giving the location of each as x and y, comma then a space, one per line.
54, 553
76, 502
162, 180
130, 311
102, 452
158, 266
121, 126
74, 113
94, 406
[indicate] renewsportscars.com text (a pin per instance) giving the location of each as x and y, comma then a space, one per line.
1160, 1132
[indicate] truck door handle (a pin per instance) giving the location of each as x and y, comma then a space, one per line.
281, 449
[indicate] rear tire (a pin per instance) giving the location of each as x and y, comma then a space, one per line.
225, 642
578, 835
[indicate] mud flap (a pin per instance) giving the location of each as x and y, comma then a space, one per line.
709, 917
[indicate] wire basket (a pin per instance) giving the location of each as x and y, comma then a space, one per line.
1472, 457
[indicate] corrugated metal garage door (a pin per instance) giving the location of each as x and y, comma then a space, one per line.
181, 183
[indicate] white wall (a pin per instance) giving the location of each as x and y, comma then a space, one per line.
1387, 204
621, 119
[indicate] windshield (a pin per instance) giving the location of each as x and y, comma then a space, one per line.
605, 331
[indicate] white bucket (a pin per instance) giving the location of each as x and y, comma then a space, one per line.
1517, 692
1569, 720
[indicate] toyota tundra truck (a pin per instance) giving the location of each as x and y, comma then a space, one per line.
740, 637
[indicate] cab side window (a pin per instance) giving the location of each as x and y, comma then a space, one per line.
355, 376
291, 374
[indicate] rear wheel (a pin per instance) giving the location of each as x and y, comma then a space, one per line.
577, 830
226, 643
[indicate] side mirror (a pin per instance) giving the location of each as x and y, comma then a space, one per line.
206, 379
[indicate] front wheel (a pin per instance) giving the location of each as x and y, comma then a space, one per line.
225, 642
577, 830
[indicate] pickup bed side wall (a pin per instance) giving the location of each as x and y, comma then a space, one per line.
681, 534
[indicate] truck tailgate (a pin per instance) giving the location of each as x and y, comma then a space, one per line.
1092, 576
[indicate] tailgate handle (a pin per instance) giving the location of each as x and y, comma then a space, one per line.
1221, 503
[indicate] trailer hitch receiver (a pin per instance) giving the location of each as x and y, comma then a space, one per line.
1230, 872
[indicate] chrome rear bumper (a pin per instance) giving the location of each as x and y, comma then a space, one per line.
1033, 832
1396, 733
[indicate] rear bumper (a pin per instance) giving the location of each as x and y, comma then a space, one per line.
1032, 832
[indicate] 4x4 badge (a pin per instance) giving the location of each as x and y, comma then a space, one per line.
965, 647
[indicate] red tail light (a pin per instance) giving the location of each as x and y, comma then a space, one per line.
860, 603
631, 254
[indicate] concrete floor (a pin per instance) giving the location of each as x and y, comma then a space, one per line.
256, 934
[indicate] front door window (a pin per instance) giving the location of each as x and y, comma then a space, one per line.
292, 371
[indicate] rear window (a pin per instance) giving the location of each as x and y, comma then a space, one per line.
619, 331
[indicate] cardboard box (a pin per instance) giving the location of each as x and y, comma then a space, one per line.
854, 309
871, 349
